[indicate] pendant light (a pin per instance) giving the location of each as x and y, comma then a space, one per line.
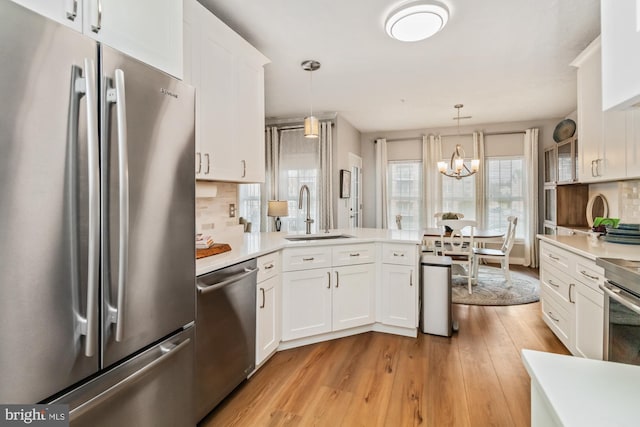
458, 169
310, 122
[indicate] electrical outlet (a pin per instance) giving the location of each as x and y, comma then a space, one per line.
232, 210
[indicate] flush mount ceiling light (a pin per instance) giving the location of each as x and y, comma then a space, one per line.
310, 122
416, 21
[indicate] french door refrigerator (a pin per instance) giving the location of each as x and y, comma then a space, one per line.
96, 228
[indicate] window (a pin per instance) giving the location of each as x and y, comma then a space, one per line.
249, 201
459, 195
404, 187
505, 193
299, 165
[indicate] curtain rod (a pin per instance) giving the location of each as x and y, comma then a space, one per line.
412, 138
300, 126
514, 132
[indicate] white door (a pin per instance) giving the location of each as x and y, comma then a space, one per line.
399, 296
267, 318
353, 291
589, 326
306, 303
355, 202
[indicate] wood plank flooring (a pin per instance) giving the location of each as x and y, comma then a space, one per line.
475, 378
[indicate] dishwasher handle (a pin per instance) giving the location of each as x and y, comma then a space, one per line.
233, 279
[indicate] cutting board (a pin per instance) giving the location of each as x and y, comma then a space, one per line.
216, 249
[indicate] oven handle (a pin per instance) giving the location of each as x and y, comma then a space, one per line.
618, 297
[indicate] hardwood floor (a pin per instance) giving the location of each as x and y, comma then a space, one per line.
475, 378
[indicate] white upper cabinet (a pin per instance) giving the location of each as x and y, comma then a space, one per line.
602, 135
148, 30
620, 24
66, 12
228, 75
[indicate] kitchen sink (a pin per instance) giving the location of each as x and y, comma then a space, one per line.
311, 237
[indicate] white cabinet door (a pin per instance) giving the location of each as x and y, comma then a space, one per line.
148, 30
633, 143
353, 296
399, 295
249, 97
306, 303
230, 100
589, 328
602, 135
66, 12
267, 318
620, 69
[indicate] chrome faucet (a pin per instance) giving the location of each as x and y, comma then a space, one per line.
309, 221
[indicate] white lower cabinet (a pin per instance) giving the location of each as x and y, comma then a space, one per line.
589, 323
399, 287
268, 330
319, 299
572, 303
353, 296
306, 303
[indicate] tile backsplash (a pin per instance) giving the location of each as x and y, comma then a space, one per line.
629, 192
212, 213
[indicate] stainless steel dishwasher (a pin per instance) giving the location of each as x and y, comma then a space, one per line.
225, 332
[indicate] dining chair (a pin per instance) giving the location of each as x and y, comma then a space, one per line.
500, 255
457, 246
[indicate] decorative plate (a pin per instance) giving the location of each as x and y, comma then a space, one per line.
565, 129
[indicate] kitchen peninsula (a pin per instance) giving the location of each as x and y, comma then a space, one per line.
328, 286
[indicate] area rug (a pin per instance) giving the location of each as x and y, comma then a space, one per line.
492, 289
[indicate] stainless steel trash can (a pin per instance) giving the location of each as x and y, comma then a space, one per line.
435, 316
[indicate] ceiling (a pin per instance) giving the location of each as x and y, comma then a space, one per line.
504, 60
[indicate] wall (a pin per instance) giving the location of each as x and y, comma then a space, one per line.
212, 209
407, 150
347, 140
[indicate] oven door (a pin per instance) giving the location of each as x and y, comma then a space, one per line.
621, 325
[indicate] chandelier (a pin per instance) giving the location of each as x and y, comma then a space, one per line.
457, 167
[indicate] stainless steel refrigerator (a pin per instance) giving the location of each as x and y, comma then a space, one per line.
96, 228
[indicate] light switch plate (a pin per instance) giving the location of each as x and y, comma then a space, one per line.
232, 210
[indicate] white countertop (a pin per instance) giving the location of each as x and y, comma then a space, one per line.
592, 249
585, 392
251, 245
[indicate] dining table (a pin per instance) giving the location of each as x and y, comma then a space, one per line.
431, 235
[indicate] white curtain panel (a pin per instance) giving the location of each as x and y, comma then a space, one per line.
381, 183
270, 188
478, 153
326, 177
431, 179
531, 201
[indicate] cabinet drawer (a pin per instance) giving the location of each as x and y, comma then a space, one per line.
555, 256
556, 282
557, 319
268, 266
588, 273
306, 258
398, 254
354, 254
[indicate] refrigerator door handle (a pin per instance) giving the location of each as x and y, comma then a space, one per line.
87, 85
168, 351
118, 97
